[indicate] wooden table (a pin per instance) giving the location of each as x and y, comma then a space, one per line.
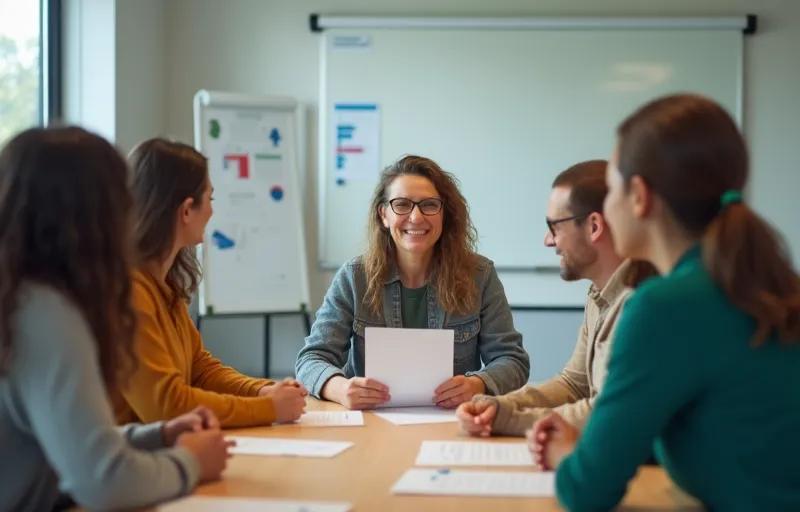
364, 474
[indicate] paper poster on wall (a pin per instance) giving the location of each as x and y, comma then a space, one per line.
356, 132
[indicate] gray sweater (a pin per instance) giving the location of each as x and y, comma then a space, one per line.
56, 426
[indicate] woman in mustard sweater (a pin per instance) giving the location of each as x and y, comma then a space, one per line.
172, 205
704, 367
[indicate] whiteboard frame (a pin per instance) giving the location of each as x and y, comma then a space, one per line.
747, 23
515, 279
205, 98
317, 22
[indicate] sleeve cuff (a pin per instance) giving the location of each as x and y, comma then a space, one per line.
488, 381
144, 437
322, 378
258, 384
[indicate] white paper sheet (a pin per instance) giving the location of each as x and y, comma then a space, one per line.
476, 483
412, 362
331, 419
212, 504
473, 453
292, 447
416, 415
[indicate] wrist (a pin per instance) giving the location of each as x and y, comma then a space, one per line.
477, 385
331, 390
166, 435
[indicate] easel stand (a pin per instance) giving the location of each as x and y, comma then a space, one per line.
303, 312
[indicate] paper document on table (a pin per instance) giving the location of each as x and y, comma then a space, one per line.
473, 453
292, 447
476, 483
416, 415
212, 504
412, 362
331, 419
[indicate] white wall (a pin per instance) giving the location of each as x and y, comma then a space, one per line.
140, 65
90, 65
265, 46
114, 81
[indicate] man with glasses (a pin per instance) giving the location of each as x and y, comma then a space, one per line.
578, 231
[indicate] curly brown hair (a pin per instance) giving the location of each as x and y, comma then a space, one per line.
65, 223
454, 260
164, 174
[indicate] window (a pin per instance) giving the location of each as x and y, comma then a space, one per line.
29, 85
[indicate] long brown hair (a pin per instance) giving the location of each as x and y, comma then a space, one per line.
164, 175
689, 151
65, 223
454, 260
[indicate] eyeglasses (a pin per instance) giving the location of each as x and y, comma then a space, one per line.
404, 205
551, 224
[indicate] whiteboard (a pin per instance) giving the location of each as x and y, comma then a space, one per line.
253, 253
505, 111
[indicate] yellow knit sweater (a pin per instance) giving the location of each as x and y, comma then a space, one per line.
175, 373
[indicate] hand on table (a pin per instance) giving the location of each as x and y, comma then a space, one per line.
457, 390
476, 418
210, 448
550, 440
198, 419
356, 392
288, 397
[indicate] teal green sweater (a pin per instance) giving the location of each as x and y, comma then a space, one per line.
683, 379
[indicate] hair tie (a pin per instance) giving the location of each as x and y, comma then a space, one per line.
730, 197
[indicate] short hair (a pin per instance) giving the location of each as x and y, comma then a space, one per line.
587, 184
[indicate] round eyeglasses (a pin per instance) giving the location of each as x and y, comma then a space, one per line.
404, 205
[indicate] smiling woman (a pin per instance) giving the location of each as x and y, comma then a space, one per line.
420, 271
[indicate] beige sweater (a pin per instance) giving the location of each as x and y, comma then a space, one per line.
573, 392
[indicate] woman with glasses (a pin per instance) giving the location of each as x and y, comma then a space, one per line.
420, 271
704, 367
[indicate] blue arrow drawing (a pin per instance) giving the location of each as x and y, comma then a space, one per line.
222, 241
275, 137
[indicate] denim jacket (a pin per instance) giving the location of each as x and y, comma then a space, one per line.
485, 335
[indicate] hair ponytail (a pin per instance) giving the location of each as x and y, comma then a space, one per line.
749, 261
691, 153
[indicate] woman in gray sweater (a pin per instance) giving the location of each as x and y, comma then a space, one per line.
66, 327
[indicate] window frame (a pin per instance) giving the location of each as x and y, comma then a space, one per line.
51, 108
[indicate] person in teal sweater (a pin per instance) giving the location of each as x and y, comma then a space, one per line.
705, 367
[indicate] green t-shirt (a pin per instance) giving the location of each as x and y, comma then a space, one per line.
414, 307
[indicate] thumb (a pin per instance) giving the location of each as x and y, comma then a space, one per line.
488, 415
